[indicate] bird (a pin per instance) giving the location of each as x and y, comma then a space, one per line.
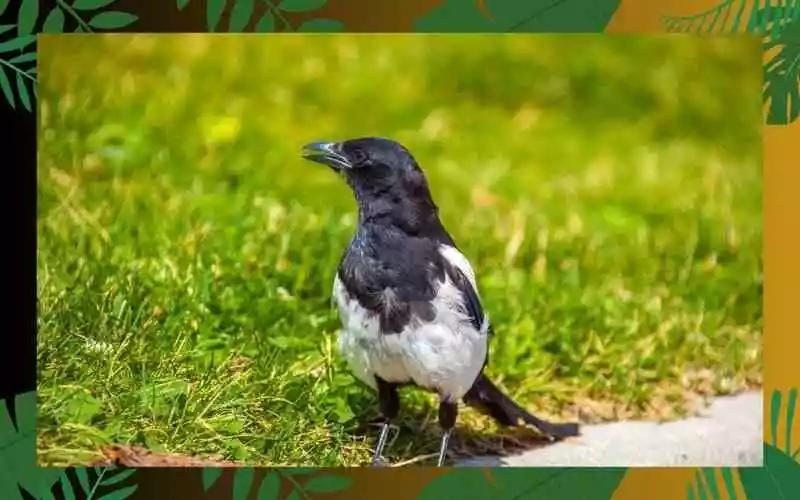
408, 298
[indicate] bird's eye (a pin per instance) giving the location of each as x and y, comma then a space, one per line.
358, 156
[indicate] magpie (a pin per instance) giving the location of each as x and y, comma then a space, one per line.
408, 298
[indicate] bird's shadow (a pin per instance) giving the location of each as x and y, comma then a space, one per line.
415, 438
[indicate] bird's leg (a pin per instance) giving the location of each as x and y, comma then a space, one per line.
389, 404
448, 411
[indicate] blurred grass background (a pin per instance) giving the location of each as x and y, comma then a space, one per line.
607, 189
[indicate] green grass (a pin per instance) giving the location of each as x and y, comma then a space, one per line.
607, 190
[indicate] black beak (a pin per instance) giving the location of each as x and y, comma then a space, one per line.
326, 153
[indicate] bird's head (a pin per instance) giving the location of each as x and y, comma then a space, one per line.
372, 166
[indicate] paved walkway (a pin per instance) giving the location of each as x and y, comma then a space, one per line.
728, 433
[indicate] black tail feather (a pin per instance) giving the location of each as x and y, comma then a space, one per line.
487, 397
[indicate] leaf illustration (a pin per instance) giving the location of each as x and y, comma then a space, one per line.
734, 16
240, 15
562, 16
28, 57
3, 5
26, 18
112, 20
779, 478
182, 4
242, 482
297, 471
328, 484
83, 479
270, 486
779, 24
120, 494
18, 444
91, 4
66, 486
583, 483
5, 27
704, 485
17, 43
301, 5
321, 26
210, 476
782, 77
24, 97
294, 495
117, 478
5, 84
266, 24
54, 22
214, 9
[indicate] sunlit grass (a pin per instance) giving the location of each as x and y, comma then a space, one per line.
608, 191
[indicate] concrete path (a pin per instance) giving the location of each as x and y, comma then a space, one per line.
728, 433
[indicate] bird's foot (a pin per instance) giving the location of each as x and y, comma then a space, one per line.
379, 462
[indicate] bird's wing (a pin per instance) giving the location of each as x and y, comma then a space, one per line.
464, 279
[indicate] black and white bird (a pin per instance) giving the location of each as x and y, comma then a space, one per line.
407, 297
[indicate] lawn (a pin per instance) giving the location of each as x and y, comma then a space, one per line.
608, 192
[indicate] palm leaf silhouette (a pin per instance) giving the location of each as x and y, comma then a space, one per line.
777, 470
778, 24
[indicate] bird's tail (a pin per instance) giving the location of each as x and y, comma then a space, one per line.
487, 397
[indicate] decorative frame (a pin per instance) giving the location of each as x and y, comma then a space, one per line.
775, 22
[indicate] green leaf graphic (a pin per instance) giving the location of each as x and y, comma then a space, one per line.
120, 494
779, 478
117, 478
91, 4
559, 16
240, 15
4, 5
214, 9
301, 5
210, 476
782, 77
266, 24
17, 43
328, 484
242, 482
297, 471
734, 16
6, 27
586, 484
294, 495
779, 24
6, 86
182, 4
24, 97
112, 20
18, 446
704, 486
66, 486
321, 26
270, 486
26, 18
83, 479
28, 57
54, 22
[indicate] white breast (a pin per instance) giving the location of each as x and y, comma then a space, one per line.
445, 355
